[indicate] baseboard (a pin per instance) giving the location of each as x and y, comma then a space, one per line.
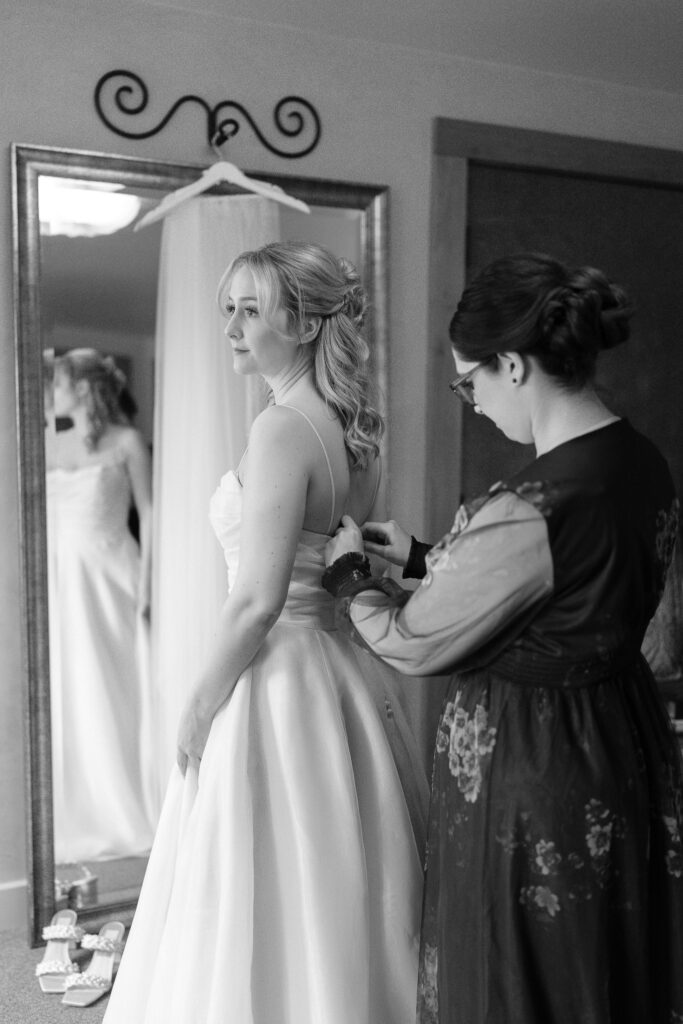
13, 905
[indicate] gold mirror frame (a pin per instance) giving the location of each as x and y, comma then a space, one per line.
28, 164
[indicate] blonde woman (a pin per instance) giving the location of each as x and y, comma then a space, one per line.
284, 886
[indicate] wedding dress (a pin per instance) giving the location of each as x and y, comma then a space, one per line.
99, 677
284, 885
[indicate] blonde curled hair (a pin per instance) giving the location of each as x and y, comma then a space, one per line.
306, 280
106, 383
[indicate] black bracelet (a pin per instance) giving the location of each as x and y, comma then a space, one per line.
345, 570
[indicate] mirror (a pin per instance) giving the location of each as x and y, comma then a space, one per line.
75, 288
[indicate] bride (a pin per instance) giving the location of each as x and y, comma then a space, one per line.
98, 582
284, 885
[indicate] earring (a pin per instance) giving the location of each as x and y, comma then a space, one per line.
514, 380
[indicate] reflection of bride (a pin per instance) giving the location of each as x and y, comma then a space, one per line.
99, 604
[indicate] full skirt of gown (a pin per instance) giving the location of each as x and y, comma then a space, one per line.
105, 804
284, 886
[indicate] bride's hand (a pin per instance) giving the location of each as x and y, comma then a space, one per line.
193, 732
347, 538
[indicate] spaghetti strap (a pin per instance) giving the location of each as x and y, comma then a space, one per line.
327, 460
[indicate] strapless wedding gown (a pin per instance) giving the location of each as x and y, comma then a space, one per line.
102, 768
284, 885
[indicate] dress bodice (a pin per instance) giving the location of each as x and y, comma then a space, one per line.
91, 503
307, 603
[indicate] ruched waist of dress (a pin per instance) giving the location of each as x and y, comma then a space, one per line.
311, 609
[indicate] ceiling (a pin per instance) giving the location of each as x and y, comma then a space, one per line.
631, 42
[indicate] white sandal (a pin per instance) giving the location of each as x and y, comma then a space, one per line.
90, 985
56, 966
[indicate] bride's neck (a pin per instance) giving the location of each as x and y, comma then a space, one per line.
291, 381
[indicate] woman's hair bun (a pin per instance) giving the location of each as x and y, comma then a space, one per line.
531, 303
614, 326
596, 312
608, 302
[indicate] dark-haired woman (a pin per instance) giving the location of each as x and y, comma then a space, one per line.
554, 888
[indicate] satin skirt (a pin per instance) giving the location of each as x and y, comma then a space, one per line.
106, 797
285, 881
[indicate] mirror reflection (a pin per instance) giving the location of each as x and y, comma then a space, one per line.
142, 415
99, 517
98, 354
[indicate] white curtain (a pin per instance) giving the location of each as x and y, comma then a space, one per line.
203, 412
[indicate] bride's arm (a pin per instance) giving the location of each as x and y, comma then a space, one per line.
274, 503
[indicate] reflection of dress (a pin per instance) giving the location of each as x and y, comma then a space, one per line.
98, 666
284, 885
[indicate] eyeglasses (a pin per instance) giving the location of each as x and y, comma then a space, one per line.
463, 386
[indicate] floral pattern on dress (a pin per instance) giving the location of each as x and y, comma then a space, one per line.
604, 828
468, 739
674, 854
428, 986
576, 873
541, 495
543, 900
580, 803
437, 556
547, 857
666, 527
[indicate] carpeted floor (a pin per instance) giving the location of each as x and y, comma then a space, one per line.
21, 1000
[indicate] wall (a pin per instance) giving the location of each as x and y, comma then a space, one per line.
376, 104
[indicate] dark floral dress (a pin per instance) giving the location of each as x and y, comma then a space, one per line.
554, 869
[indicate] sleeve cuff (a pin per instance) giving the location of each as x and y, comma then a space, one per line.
342, 577
415, 567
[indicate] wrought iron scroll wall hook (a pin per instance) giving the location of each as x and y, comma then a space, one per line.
293, 115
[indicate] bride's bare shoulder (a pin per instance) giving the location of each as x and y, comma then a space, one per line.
280, 428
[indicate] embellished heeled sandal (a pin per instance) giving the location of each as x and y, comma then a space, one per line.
90, 985
56, 966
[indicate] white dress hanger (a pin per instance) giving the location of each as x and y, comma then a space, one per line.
221, 171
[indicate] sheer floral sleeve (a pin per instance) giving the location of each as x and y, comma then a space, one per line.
481, 578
